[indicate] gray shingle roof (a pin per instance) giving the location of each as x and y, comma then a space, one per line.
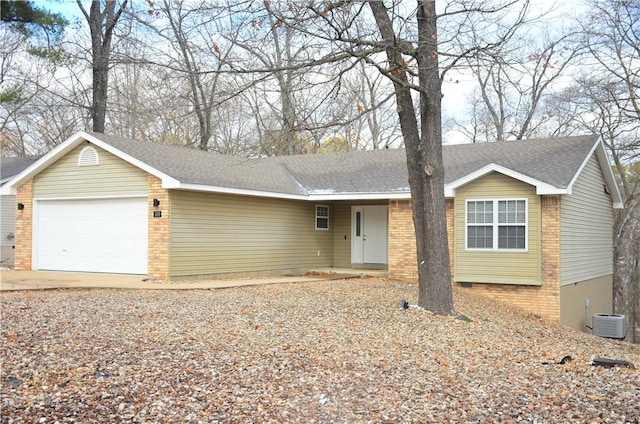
191, 166
552, 161
13, 166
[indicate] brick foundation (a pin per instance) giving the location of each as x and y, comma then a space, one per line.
543, 300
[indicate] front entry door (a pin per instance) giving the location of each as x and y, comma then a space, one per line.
369, 234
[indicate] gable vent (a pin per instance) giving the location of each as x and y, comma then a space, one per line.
88, 157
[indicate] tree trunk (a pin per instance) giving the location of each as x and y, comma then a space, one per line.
101, 24
100, 64
626, 276
433, 249
424, 155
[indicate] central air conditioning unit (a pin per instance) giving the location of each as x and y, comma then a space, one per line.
612, 326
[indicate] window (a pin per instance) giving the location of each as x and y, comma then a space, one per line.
497, 224
322, 217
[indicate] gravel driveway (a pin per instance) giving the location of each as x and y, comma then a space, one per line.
338, 351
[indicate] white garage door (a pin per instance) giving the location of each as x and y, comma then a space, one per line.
104, 235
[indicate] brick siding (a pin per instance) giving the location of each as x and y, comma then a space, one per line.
543, 300
450, 210
403, 263
24, 227
159, 231
402, 241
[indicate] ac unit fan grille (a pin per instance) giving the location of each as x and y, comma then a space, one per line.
610, 325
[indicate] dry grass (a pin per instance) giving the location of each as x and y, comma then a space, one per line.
340, 351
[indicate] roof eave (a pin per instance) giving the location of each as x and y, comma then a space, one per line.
609, 177
5, 189
313, 197
607, 172
395, 195
542, 188
236, 191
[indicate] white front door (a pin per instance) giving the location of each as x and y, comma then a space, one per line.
369, 234
91, 235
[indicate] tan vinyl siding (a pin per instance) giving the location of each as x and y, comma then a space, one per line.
112, 177
599, 291
586, 228
342, 235
7, 219
7, 228
226, 234
498, 266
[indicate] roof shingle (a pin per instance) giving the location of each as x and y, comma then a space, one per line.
554, 161
12, 166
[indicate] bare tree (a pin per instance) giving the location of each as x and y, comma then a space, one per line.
402, 42
611, 103
423, 141
514, 84
102, 18
375, 124
30, 51
302, 98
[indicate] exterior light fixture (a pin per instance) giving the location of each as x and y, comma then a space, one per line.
20, 206
156, 203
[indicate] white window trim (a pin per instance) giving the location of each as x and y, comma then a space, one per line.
327, 217
496, 225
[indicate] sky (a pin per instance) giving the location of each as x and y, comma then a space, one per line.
457, 86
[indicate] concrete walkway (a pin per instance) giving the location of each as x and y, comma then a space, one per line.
46, 280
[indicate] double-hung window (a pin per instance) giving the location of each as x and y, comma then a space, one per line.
322, 217
496, 224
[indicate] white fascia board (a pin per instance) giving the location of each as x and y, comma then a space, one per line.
42, 163
607, 173
6, 190
238, 191
306, 197
359, 196
542, 188
584, 164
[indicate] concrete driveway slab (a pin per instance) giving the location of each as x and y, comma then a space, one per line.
38, 280
43, 280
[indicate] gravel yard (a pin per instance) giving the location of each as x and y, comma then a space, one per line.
338, 351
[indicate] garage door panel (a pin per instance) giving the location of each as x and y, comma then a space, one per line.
102, 235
